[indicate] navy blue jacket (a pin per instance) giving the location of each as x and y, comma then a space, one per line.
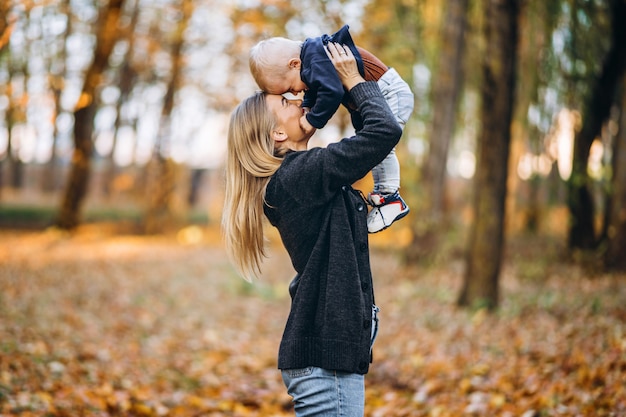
324, 89
322, 222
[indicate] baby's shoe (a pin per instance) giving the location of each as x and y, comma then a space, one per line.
387, 209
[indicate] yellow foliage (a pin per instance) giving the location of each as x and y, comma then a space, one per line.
83, 101
142, 410
148, 327
465, 385
497, 401
480, 369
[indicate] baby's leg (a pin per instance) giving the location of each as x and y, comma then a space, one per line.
399, 97
388, 204
387, 174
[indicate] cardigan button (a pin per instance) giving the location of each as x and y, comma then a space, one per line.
344, 187
363, 247
364, 286
367, 323
362, 365
360, 207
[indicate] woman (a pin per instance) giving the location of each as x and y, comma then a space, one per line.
306, 194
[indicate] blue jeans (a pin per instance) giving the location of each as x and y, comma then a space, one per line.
323, 393
399, 97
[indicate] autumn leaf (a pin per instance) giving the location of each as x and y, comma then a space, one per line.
99, 325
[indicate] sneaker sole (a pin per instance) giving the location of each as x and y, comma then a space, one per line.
398, 217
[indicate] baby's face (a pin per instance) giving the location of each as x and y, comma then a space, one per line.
290, 83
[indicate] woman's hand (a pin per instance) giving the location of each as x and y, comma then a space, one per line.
342, 58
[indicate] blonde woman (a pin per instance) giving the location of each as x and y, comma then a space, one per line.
280, 65
307, 195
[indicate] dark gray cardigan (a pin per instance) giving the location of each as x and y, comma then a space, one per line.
322, 223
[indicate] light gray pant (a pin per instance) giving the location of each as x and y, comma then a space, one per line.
400, 99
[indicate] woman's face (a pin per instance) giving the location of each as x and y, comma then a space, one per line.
288, 114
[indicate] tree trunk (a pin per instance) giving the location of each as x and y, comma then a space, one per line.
76, 187
5, 33
446, 91
5, 26
484, 254
197, 175
127, 76
16, 115
615, 255
581, 232
524, 199
50, 179
160, 175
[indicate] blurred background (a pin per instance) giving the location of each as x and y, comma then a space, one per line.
116, 297
116, 112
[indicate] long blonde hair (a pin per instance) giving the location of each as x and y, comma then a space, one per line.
251, 161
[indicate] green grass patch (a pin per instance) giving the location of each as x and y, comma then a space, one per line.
39, 216
26, 216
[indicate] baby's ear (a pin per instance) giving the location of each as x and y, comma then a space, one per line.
295, 63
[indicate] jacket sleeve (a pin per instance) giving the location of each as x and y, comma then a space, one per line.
325, 93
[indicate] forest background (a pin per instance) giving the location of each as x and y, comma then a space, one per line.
504, 286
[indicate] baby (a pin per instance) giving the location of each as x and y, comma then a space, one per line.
281, 65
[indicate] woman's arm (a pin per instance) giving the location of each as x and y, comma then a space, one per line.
314, 176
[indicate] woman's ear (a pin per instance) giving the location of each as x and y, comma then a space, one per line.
279, 136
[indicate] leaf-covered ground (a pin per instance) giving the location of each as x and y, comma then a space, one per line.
101, 325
